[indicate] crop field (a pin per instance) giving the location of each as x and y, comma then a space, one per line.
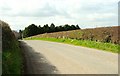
102, 34
104, 38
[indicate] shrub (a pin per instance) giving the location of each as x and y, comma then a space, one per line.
11, 55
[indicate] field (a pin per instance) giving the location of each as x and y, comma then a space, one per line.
104, 38
102, 34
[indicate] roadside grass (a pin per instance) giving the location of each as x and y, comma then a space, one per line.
11, 55
86, 43
12, 60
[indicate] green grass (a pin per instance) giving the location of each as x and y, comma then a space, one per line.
86, 43
11, 54
12, 60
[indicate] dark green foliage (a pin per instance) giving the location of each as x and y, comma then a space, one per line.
73, 27
46, 28
52, 28
11, 55
7, 36
20, 32
12, 60
40, 29
31, 30
66, 27
77, 27
34, 30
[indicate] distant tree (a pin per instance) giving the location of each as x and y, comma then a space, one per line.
25, 32
73, 27
34, 30
20, 32
66, 27
40, 29
61, 28
56, 29
77, 27
46, 28
31, 30
52, 27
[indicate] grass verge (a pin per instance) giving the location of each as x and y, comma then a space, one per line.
12, 60
86, 43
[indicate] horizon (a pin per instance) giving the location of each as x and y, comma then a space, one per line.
72, 30
87, 14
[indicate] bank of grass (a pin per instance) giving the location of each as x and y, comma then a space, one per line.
12, 60
86, 43
11, 54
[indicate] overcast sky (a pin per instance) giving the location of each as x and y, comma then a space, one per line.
85, 13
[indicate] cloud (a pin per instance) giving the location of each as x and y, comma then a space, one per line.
47, 9
83, 12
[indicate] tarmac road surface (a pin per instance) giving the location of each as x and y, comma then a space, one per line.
44, 57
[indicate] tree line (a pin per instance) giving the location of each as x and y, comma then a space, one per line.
34, 29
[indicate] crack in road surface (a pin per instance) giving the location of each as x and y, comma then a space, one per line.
43, 57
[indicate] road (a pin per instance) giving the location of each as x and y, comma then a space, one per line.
44, 57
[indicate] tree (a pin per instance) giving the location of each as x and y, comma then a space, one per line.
20, 32
46, 28
77, 27
40, 29
61, 28
34, 30
25, 32
73, 27
31, 30
52, 27
66, 27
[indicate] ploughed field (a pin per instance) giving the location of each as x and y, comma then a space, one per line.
102, 34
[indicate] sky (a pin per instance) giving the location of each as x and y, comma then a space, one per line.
86, 13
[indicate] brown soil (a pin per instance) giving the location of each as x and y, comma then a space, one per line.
102, 34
